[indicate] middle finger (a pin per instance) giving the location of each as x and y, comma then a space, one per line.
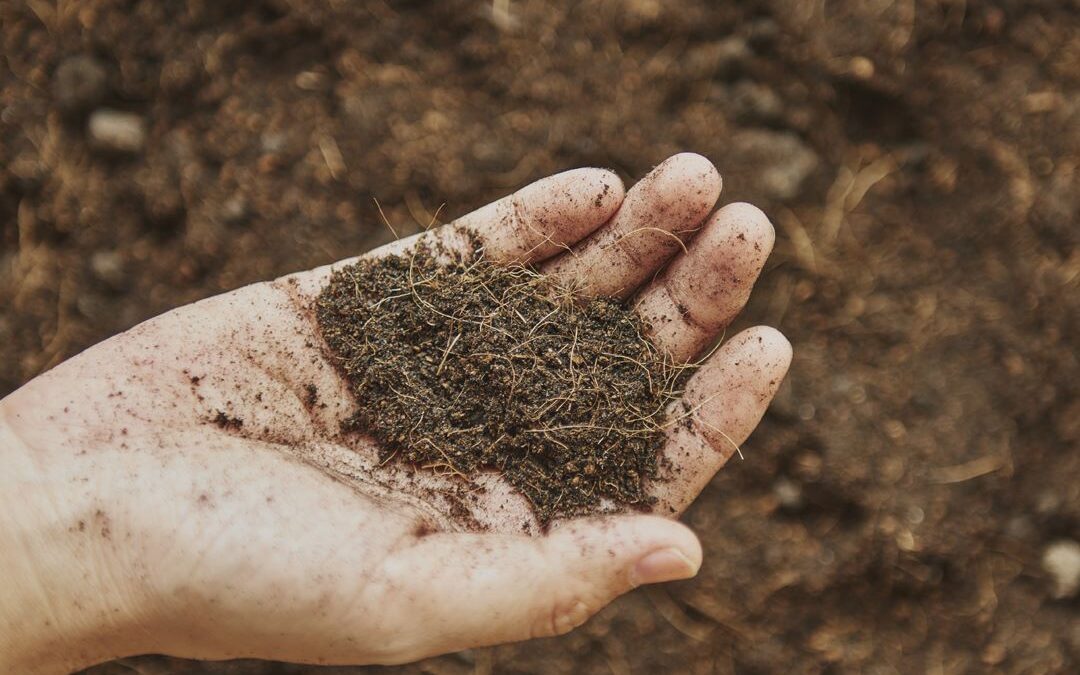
658, 214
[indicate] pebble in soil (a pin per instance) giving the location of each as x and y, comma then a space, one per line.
474, 366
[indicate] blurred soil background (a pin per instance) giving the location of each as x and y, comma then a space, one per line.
910, 504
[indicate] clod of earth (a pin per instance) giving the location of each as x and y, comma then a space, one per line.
472, 366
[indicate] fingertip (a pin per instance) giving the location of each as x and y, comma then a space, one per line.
728, 395
688, 173
588, 195
742, 377
546, 216
605, 192
766, 345
676, 556
751, 222
687, 542
610, 189
695, 164
634, 536
651, 224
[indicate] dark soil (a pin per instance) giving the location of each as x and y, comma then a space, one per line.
919, 160
464, 366
225, 421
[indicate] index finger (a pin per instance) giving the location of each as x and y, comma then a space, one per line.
528, 226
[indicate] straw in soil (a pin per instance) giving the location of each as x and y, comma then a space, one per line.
473, 366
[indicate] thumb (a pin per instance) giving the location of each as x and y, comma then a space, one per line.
482, 589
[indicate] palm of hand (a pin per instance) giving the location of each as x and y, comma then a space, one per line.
258, 529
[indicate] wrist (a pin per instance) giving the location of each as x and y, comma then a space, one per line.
65, 603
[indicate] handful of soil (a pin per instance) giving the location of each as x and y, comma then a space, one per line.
473, 366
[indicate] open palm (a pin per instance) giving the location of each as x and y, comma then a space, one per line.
214, 490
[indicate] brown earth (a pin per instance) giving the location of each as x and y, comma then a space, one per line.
918, 157
459, 365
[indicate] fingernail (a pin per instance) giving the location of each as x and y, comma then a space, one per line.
666, 564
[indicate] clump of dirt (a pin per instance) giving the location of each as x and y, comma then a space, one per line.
226, 421
473, 366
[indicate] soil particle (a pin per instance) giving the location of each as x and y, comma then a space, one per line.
476, 366
229, 423
1061, 560
116, 131
104, 522
311, 396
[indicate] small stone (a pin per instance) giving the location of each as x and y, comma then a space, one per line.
117, 131
272, 142
79, 84
108, 267
914, 515
993, 654
310, 80
862, 67
235, 210
788, 494
784, 161
1061, 560
894, 429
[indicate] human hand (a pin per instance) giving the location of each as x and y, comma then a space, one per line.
185, 488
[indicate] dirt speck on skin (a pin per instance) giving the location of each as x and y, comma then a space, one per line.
223, 420
472, 366
311, 396
423, 529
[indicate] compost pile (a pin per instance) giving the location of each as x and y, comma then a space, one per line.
473, 366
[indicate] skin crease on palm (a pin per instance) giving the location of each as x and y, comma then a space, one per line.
139, 525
